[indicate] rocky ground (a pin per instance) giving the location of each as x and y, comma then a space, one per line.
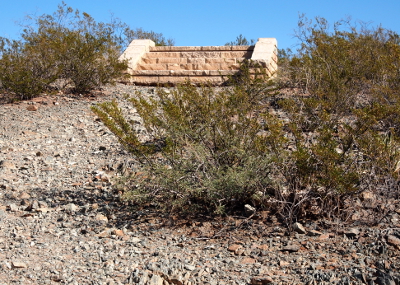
62, 222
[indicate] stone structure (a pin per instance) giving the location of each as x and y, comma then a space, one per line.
169, 65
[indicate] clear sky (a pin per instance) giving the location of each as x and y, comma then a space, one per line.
211, 22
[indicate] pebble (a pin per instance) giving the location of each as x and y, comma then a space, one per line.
297, 227
18, 264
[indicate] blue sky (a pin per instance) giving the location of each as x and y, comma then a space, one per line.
211, 22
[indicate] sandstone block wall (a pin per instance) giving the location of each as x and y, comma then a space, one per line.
169, 65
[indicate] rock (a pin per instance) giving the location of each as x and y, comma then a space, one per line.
104, 234
298, 228
248, 260
177, 280
263, 246
323, 237
5, 164
18, 264
43, 210
49, 160
156, 280
249, 210
352, 233
261, 280
24, 196
190, 267
314, 233
283, 263
71, 208
291, 248
32, 108
234, 248
102, 218
367, 195
118, 233
393, 240
12, 207
135, 240
33, 206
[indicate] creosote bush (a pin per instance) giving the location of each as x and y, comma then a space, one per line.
208, 149
344, 126
305, 155
20, 73
66, 50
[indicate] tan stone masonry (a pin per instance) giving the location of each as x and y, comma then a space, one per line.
169, 65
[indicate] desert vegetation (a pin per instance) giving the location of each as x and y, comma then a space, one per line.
67, 50
307, 143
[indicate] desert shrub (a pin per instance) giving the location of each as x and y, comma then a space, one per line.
20, 73
207, 149
67, 46
344, 126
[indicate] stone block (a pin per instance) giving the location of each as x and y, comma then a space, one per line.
216, 48
187, 66
196, 60
170, 79
173, 66
265, 51
155, 72
212, 54
226, 66
220, 60
220, 72
206, 66
135, 51
206, 79
152, 66
177, 49
234, 54
160, 48
195, 54
244, 48
172, 60
162, 54
186, 73
146, 80
146, 60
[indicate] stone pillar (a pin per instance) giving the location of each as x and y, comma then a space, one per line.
135, 51
266, 53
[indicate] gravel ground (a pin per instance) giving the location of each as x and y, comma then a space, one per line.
61, 222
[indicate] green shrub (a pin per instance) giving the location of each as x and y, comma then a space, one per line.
20, 73
208, 149
345, 124
216, 149
70, 47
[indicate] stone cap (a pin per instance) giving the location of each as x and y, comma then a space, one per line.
201, 48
